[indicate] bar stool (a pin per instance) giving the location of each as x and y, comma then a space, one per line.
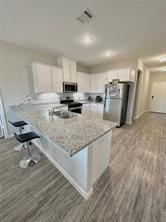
20, 125
31, 158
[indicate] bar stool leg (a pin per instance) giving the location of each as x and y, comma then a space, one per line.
30, 159
20, 146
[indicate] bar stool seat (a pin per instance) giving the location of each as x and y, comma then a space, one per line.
19, 124
22, 138
31, 158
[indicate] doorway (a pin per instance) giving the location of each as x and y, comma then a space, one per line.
158, 97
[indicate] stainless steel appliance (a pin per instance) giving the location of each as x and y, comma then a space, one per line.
75, 107
69, 87
116, 100
98, 99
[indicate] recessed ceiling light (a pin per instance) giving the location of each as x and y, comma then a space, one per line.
87, 39
162, 58
163, 69
108, 53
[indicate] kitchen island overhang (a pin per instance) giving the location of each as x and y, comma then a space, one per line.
81, 166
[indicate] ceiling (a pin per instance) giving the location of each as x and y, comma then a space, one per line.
130, 28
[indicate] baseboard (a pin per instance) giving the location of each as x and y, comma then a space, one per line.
85, 194
129, 123
138, 116
9, 136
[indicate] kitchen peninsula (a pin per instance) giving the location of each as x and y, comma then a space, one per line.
78, 146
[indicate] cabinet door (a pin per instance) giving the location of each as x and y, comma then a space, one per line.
124, 75
101, 81
93, 83
86, 109
98, 82
100, 108
132, 75
83, 80
86, 82
57, 79
93, 108
112, 74
73, 71
80, 80
66, 70
42, 78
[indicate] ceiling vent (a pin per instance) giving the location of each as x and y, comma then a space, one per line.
86, 16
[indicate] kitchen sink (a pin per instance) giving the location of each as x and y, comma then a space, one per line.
63, 114
67, 115
58, 113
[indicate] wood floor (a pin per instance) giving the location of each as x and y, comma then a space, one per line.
133, 189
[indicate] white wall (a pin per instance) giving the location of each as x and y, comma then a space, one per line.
106, 67
14, 81
83, 68
143, 90
155, 77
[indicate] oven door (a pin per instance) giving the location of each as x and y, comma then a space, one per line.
76, 109
69, 87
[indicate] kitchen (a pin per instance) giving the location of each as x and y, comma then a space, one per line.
82, 112
45, 81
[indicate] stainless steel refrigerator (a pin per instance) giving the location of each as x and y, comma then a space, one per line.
116, 100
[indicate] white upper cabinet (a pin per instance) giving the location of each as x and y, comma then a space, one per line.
73, 71
42, 78
98, 82
126, 75
66, 69
69, 69
47, 78
112, 74
83, 80
57, 79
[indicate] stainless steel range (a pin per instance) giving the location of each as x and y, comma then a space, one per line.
75, 107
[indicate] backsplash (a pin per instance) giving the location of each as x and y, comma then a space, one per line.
55, 97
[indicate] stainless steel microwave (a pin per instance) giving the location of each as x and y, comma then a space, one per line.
69, 87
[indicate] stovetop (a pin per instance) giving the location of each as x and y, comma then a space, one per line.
70, 103
67, 101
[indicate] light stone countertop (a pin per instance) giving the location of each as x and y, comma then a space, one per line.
71, 134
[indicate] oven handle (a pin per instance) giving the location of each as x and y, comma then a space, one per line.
73, 108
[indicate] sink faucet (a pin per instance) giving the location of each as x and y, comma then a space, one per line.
28, 98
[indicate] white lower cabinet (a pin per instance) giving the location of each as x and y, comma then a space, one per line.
94, 110
86, 109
